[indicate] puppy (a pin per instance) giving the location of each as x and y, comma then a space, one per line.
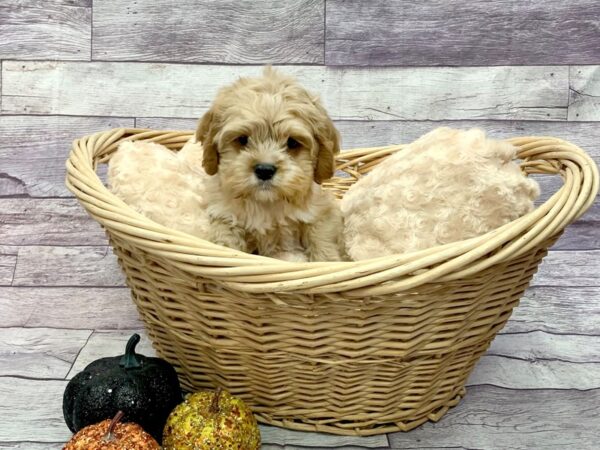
268, 145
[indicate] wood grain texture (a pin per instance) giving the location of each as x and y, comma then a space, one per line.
519, 374
110, 343
171, 90
33, 150
302, 447
231, 31
581, 235
374, 133
27, 221
167, 123
31, 446
54, 29
479, 32
94, 266
568, 268
31, 410
72, 308
8, 261
557, 309
584, 93
289, 439
546, 346
39, 352
494, 418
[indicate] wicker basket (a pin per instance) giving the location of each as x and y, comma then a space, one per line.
356, 348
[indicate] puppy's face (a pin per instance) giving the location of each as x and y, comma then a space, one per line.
268, 139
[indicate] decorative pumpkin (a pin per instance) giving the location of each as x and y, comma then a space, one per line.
211, 421
112, 435
145, 389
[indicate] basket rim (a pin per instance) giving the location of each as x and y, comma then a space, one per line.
377, 276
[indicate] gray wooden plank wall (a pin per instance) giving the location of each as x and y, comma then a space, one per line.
388, 71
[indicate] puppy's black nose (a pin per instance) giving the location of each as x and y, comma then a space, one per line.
265, 171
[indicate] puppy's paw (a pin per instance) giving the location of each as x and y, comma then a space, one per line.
227, 236
321, 250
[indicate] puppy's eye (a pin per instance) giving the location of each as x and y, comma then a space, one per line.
292, 143
242, 140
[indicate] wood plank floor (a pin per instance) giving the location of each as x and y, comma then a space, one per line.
388, 71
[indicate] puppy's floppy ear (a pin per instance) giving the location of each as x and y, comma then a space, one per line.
328, 138
205, 133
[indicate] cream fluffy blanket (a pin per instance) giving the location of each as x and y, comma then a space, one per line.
446, 186
165, 186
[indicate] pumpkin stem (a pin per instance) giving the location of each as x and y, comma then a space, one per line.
110, 436
130, 359
214, 406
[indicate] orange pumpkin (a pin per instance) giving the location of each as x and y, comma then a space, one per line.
112, 435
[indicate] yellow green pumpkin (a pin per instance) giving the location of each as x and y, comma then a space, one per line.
211, 421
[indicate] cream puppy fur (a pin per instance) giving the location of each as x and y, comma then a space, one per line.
254, 183
268, 145
446, 186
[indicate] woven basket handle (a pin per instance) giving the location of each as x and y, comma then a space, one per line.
457, 260
548, 155
255, 274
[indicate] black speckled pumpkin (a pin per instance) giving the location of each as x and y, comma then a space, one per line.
145, 389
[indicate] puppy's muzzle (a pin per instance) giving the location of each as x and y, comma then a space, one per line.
264, 172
